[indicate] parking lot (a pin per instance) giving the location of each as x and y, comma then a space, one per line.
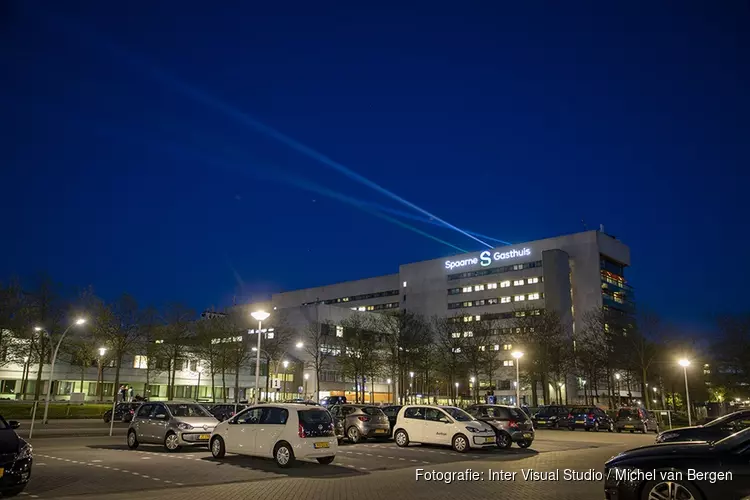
100, 467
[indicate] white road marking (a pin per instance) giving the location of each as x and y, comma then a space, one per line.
96, 461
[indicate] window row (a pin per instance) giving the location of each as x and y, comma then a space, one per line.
493, 286
377, 307
352, 298
495, 270
495, 316
495, 300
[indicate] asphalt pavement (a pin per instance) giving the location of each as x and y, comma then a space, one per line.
104, 468
72, 427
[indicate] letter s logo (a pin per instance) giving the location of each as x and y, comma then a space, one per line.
485, 258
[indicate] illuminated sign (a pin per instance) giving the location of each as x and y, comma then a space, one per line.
486, 258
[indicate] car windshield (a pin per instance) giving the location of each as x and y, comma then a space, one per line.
188, 410
458, 414
372, 411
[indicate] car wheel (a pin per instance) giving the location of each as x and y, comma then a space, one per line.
571, 428
632, 431
611, 427
132, 440
619, 430
325, 460
283, 455
172, 442
217, 447
524, 444
460, 443
556, 425
12, 492
671, 490
587, 429
596, 426
354, 435
106, 419
504, 441
402, 438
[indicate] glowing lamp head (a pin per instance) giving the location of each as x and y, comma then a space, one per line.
456, 385
102, 351
299, 345
472, 379
389, 381
307, 376
517, 354
684, 362
260, 315
80, 321
285, 364
37, 328
617, 376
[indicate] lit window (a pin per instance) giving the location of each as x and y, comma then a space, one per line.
533, 296
492, 301
519, 298
508, 362
482, 348
339, 331
518, 267
160, 341
477, 317
361, 308
507, 347
531, 281
478, 288
404, 284
517, 282
479, 302
496, 347
345, 299
467, 319
536, 312
370, 308
518, 330
269, 335
468, 334
491, 286
504, 300
466, 289
520, 314
504, 284
140, 362
353, 308
456, 335
457, 350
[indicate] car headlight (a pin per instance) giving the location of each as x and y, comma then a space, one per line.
24, 453
184, 427
473, 429
666, 436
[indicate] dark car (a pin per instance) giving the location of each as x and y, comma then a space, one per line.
589, 418
391, 412
682, 471
123, 412
511, 424
550, 417
636, 419
225, 411
329, 401
359, 422
15, 459
712, 431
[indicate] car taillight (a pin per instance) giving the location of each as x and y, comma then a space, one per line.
570, 416
512, 423
132, 411
591, 416
301, 431
363, 418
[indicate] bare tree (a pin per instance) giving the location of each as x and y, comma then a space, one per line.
319, 348
644, 348
406, 347
207, 349
175, 339
476, 343
360, 351
450, 343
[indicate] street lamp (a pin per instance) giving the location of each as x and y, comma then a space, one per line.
299, 345
100, 378
260, 316
285, 364
307, 376
518, 355
77, 322
684, 363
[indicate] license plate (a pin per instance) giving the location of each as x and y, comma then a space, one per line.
320, 445
380, 431
628, 426
580, 422
489, 439
541, 421
203, 437
527, 436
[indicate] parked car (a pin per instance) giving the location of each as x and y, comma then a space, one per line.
391, 411
329, 401
589, 418
444, 425
719, 471
284, 432
712, 431
511, 424
551, 417
636, 419
224, 411
123, 412
172, 424
15, 459
359, 422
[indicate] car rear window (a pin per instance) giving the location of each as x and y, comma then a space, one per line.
516, 413
372, 411
314, 417
624, 413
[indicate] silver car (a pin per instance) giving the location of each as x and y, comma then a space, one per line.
172, 424
358, 422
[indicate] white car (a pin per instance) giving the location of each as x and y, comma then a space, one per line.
284, 432
446, 425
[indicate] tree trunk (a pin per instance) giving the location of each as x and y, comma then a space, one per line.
213, 386
83, 377
237, 384
534, 394
644, 390
118, 364
268, 376
317, 382
42, 356
223, 385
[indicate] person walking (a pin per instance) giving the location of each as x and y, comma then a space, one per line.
130, 394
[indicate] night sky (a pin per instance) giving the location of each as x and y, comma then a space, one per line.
131, 156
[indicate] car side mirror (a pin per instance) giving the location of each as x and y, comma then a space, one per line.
14, 424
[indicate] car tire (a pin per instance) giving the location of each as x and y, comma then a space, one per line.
587, 429
632, 431
132, 440
218, 450
353, 435
503, 440
326, 460
12, 492
524, 444
401, 438
659, 485
611, 427
283, 455
619, 430
460, 443
571, 428
171, 442
596, 426
106, 419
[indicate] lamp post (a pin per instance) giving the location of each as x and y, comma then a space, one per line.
307, 376
684, 363
585, 395
260, 316
285, 363
518, 355
473, 386
617, 385
411, 384
100, 376
77, 322
389, 389
455, 399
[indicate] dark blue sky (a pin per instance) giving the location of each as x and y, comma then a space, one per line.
124, 166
